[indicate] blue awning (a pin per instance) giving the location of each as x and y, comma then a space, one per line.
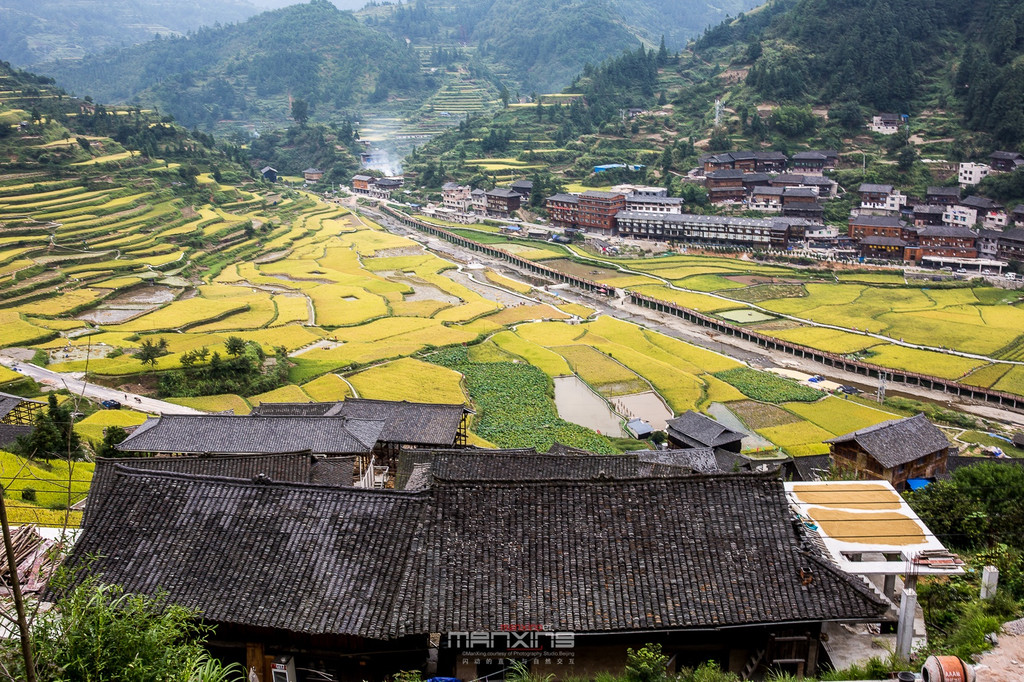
917, 483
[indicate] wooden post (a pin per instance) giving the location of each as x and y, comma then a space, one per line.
254, 660
19, 604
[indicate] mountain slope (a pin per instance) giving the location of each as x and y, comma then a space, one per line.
310, 51
37, 31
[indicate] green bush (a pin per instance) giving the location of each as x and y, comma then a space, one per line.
646, 664
28, 494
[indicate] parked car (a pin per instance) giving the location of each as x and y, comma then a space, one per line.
961, 271
111, 404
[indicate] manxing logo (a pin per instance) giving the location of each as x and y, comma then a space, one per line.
521, 638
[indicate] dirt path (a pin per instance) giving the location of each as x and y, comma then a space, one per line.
1004, 663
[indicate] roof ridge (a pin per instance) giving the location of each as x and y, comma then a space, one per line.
123, 470
770, 475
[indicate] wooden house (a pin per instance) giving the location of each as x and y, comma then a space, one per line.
893, 451
694, 430
313, 174
269, 173
347, 581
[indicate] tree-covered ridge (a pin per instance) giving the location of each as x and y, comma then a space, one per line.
37, 31
889, 55
541, 44
311, 51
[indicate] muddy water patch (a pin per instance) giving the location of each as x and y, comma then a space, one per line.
578, 404
647, 406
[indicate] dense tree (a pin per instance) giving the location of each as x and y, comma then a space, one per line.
300, 111
54, 435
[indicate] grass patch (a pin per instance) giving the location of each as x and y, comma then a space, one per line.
410, 379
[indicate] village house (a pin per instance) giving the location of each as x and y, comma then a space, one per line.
1017, 215
597, 210
861, 226
382, 188
653, 204
694, 430
886, 124
882, 198
886, 248
969, 174
702, 229
563, 209
1005, 162
813, 162
269, 173
802, 202
478, 198
360, 602
503, 202
457, 197
766, 199
522, 187
757, 161
313, 175
361, 184
991, 214
988, 243
725, 186
17, 417
928, 214
942, 196
894, 451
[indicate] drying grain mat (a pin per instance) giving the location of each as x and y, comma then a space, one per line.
850, 496
868, 528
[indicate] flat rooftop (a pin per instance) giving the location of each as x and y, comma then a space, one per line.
856, 518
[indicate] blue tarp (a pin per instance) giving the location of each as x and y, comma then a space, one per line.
917, 483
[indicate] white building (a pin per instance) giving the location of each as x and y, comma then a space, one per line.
457, 197
972, 173
959, 216
886, 124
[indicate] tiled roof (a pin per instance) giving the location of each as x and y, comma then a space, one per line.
943, 191
410, 423
201, 434
876, 221
704, 430
882, 241
406, 422
980, 203
880, 189
9, 433
487, 466
588, 557
291, 467
410, 458
947, 231
583, 556
898, 441
564, 198
301, 558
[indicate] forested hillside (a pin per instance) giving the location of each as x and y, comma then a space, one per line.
37, 31
252, 71
539, 45
896, 55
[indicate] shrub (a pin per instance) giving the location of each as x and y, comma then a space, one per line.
646, 664
28, 494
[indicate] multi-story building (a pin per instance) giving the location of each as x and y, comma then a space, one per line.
457, 197
478, 199
563, 210
990, 213
704, 229
361, 184
653, 204
881, 198
862, 226
970, 174
502, 202
597, 210
766, 199
960, 216
809, 162
928, 214
725, 185
952, 242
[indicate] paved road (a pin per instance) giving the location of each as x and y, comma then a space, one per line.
74, 383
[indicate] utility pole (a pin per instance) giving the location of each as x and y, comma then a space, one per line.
19, 603
881, 388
